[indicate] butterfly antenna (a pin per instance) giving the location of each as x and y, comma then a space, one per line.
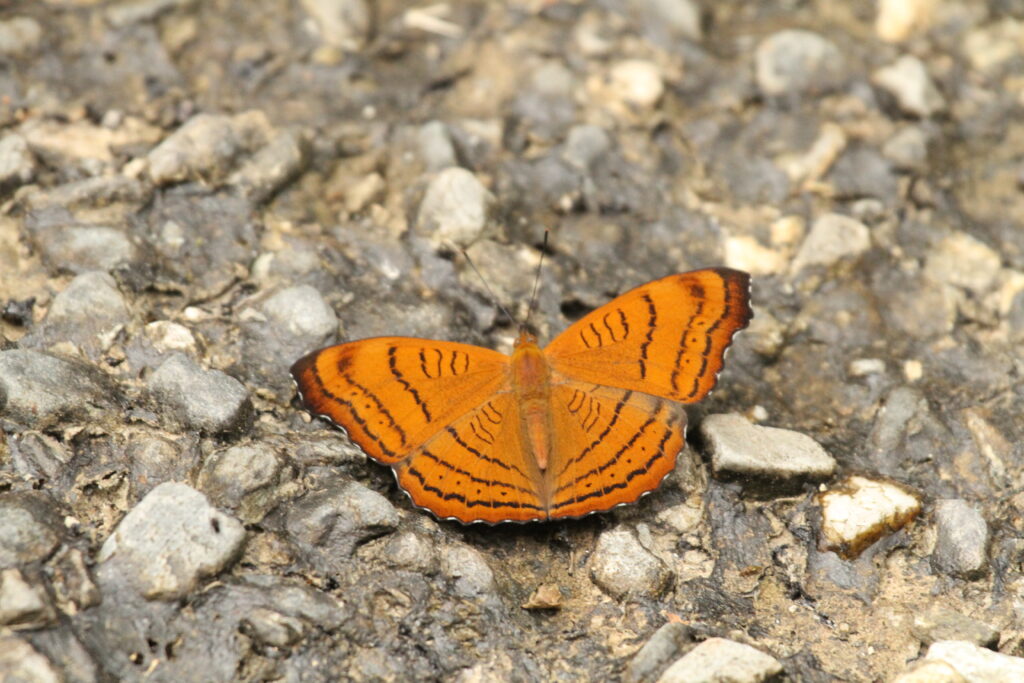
536, 280
490, 291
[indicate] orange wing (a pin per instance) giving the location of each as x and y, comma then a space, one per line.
665, 338
439, 413
613, 446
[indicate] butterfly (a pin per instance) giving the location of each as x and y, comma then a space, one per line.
593, 420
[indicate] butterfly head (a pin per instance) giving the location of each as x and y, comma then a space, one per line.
526, 336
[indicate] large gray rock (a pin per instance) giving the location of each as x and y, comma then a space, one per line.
39, 390
169, 542
205, 400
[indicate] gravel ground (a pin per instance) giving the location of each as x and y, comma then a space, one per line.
194, 194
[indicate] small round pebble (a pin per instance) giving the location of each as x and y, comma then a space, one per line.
795, 61
621, 567
832, 238
455, 208
205, 400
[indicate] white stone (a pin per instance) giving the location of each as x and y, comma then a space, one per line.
741, 448
897, 20
170, 336
978, 664
832, 238
908, 81
859, 511
637, 82
963, 261
455, 208
717, 660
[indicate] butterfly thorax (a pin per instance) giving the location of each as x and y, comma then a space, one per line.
531, 381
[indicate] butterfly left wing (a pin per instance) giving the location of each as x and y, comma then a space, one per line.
665, 338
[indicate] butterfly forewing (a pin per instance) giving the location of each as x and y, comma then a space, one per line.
392, 394
666, 338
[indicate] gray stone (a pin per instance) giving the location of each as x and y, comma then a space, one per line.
907, 80
30, 531
718, 659
796, 61
435, 146
19, 36
301, 314
169, 542
621, 567
17, 164
660, 649
742, 449
95, 192
23, 605
336, 519
468, 570
584, 145
40, 390
907, 149
863, 173
22, 663
961, 548
206, 147
455, 208
205, 400
141, 11
343, 24
832, 238
273, 628
940, 623
85, 248
976, 664
246, 478
89, 312
273, 166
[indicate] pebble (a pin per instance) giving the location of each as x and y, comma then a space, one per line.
718, 659
206, 147
466, 567
435, 146
859, 511
898, 20
636, 83
795, 61
622, 568
977, 664
40, 390
19, 36
658, 652
140, 11
169, 542
23, 605
862, 174
455, 208
20, 662
670, 20
272, 166
961, 546
744, 450
342, 24
205, 400
17, 163
907, 149
929, 671
84, 248
302, 315
271, 628
989, 46
832, 238
940, 623
410, 550
585, 144
340, 516
245, 478
167, 336
907, 80
963, 261
90, 310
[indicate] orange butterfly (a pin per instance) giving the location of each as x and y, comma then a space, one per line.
591, 421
